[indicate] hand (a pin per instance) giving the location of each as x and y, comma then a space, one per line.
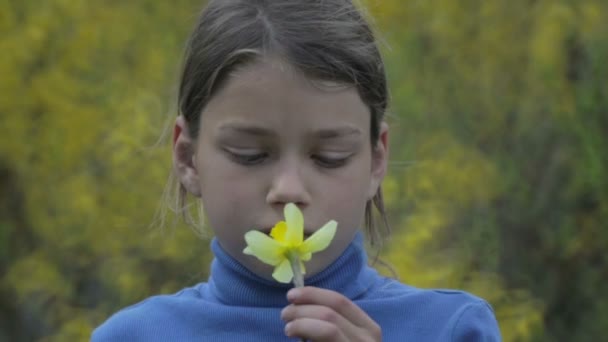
320, 315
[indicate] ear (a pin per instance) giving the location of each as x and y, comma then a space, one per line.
184, 148
379, 160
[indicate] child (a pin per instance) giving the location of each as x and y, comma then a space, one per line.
282, 101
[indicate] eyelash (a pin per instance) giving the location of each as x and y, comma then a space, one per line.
248, 159
330, 163
258, 158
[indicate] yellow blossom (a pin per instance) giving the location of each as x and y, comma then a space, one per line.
285, 248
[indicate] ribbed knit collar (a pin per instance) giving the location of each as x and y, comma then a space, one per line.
232, 284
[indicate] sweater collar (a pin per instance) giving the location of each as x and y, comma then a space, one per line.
232, 284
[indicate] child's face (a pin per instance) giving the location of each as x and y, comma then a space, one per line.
269, 137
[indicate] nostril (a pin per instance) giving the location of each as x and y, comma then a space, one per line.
281, 205
276, 197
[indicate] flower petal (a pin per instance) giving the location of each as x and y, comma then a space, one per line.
305, 256
320, 239
278, 231
264, 248
295, 224
283, 272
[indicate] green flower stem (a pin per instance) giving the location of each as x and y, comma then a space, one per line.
298, 277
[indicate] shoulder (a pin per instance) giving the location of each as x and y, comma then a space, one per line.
465, 316
436, 314
148, 319
474, 320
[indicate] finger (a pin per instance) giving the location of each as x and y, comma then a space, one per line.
317, 312
314, 330
336, 301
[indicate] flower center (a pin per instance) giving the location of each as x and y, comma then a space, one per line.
278, 231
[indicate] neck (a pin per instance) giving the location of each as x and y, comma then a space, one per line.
232, 284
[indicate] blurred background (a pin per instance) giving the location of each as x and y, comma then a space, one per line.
497, 183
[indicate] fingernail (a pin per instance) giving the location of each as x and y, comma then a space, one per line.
293, 294
288, 329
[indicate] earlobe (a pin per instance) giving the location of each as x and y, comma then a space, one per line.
183, 157
379, 160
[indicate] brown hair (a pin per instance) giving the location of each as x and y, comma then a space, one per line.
324, 39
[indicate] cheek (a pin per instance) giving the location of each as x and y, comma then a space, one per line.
353, 196
224, 191
345, 200
227, 196
353, 184
350, 213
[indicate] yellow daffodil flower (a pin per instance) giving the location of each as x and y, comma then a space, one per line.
285, 248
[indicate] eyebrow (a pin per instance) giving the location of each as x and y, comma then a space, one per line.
324, 133
330, 133
247, 129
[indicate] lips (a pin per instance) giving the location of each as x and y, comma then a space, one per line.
307, 234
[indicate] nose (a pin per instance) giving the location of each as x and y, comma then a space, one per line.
288, 185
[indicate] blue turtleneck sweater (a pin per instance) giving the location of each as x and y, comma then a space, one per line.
237, 305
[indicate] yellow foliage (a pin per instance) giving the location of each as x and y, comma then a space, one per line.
46, 282
449, 179
85, 88
450, 173
518, 315
75, 327
592, 18
555, 23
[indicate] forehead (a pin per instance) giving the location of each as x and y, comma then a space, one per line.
272, 93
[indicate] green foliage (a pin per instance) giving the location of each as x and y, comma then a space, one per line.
513, 194
448, 239
86, 93
497, 185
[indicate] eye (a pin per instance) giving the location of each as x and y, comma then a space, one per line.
330, 162
247, 157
